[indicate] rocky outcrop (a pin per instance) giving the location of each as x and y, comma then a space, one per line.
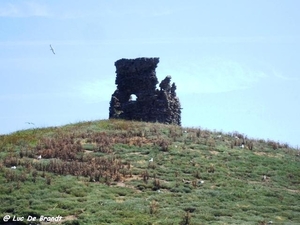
137, 97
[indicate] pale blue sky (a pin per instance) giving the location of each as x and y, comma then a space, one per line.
235, 62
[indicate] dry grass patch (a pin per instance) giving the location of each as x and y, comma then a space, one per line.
279, 156
213, 152
88, 151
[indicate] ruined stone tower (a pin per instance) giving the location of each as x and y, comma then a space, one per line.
137, 97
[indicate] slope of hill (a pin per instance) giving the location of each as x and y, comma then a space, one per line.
123, 172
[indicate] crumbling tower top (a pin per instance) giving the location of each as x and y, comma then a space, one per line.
137, 77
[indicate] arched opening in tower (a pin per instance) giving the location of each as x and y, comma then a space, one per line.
132, 97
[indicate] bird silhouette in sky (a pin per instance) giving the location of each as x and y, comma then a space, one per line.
52, 49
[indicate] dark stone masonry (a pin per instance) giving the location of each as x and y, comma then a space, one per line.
137, 97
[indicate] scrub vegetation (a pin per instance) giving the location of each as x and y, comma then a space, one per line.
125, 172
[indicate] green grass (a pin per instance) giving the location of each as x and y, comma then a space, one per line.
99, 173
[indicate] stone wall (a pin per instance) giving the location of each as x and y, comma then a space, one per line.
136, 96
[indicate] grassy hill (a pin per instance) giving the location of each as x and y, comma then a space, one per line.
101, 172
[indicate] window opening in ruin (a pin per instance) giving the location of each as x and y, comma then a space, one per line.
132, 97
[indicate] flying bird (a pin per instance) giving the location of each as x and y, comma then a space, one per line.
30, 123
52, 49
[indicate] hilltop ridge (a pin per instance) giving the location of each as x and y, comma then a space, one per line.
125, 172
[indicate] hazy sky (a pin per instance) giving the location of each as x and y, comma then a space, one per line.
235, 62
